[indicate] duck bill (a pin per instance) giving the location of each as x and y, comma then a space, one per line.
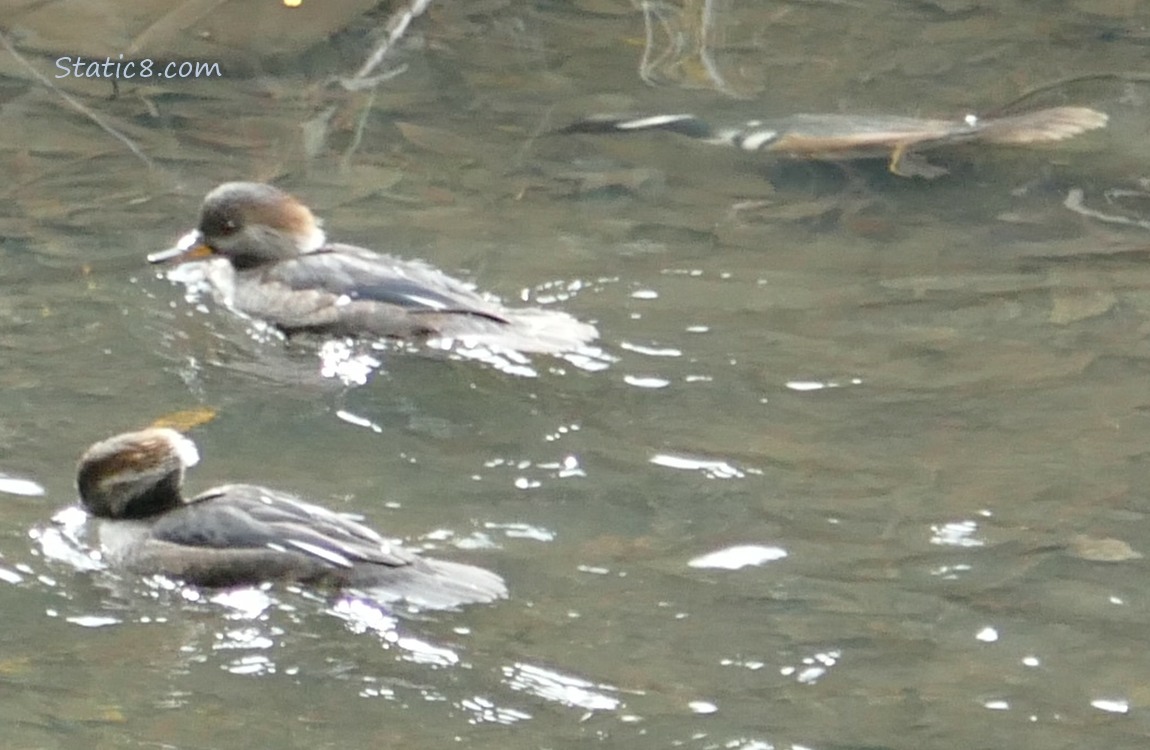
190, 247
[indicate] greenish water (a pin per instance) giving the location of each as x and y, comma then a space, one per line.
931, 396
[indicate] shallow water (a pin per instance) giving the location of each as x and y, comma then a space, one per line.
930, 396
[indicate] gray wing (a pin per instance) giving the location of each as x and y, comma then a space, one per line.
361, 275
246, 517
245, 534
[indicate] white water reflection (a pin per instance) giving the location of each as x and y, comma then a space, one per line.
712, 468
246, 603
567, 690
485, 711
93, 621
812, 668
818, 385
8, 575
252, 664
358, 421
364, 616
1111, 705
516, 530
347, 361
651, 351
242, 638
507, 361
965, 382
561, 431
17, 486
752, 664
65, 540
740, 556
646, 381
531, 474
956, 534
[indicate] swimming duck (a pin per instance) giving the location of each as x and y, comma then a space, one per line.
275, 263
843, 137
243, 534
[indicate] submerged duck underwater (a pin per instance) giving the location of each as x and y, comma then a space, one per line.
842, 137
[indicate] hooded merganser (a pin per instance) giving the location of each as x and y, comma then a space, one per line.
836, 137
276, 265
242, 534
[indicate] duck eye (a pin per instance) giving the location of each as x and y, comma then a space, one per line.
229, 227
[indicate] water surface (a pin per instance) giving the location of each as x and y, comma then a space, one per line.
930, 396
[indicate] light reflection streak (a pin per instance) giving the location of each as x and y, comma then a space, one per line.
17, 486
651, 351
363, 616
1111, 705
568, 690
956, 534
712, 468
523, 531
739, 556
484, 711
818, 385
647, 381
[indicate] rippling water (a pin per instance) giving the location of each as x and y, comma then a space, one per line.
861, 464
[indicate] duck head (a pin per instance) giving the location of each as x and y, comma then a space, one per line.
135, 475
249, 223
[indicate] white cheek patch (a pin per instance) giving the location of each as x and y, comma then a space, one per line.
314, 240
186, 450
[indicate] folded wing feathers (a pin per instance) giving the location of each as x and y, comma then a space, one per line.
321, 552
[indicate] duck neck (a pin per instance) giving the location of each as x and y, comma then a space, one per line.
161, 497
247, 262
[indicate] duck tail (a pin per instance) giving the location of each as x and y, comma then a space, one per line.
432, 584
1042, 125
529, 330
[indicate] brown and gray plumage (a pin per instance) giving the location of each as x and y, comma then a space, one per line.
243, 534
831, 137
270, 260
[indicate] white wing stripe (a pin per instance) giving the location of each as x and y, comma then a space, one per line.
321, 552
653, 121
